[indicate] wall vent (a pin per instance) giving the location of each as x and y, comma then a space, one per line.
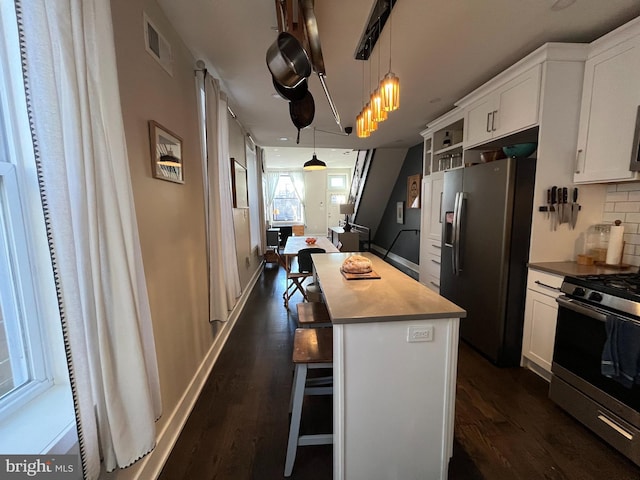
157, 46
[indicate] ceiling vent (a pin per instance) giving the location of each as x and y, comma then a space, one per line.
157, 46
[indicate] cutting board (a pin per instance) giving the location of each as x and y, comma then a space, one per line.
360, 276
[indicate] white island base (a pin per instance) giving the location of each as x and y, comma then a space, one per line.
395, 349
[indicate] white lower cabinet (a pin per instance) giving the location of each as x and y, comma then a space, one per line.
540, 315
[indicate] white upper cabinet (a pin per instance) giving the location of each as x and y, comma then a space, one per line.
610, 99
508, 109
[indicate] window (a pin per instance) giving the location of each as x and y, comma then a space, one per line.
34, 379
287, 206
22, 360
337, 182
338, 199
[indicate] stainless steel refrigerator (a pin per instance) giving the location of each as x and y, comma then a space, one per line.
486, 217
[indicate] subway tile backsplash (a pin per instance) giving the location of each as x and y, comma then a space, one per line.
622, 202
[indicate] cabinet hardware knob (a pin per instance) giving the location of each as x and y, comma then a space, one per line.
538, 282
579, 152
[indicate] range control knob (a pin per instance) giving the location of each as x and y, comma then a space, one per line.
579, 292
595, 297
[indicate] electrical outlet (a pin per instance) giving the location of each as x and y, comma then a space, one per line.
423, 333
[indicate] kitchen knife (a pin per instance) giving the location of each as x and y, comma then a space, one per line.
548, 203
554, 206
574, 209
560, 212
565, 206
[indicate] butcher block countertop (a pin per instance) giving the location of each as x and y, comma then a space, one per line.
393, 297
573, 269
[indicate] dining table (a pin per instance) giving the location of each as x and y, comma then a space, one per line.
295, 244
291, 248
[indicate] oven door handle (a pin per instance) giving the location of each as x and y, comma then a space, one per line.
590, 312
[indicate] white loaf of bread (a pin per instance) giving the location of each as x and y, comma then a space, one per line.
356, 264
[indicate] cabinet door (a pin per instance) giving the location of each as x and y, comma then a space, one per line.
510, 108
435, 206
479, 121
539, 328
518, 102
425, 222
432, 230
609, 105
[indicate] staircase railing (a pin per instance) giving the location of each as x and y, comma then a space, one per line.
417, 230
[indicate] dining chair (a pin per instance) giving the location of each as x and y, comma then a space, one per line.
300, 270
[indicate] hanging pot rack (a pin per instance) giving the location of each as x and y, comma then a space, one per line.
298, 18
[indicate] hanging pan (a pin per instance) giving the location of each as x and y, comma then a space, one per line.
302, 112
291, 94
288, 61
311, 27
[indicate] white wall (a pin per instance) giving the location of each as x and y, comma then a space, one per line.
622, 202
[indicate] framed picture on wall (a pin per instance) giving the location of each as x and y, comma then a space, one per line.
166, 153
239, 185
413, 191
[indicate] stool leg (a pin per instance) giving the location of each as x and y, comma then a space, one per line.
296, 372
296, 415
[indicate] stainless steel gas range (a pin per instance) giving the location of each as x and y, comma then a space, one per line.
596, 359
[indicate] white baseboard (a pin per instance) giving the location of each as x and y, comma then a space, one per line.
150, 466
397, 259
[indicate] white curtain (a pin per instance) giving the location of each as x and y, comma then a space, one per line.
70, 75
272, 183
224, 280
297, 178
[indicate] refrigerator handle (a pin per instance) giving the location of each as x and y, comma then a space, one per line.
458, 218
454, 235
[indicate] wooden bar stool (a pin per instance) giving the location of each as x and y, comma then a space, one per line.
312, 348
313, 314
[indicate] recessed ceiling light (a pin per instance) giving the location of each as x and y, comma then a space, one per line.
283, 139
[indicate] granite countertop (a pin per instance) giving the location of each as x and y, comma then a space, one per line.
574, 269
393, 297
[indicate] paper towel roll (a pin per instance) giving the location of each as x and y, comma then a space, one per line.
614, 252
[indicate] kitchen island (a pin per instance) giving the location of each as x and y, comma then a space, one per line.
395, 347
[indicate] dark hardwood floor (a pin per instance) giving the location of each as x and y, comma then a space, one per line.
506, 428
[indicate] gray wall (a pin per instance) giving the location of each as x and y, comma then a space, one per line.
408, 244
383, 172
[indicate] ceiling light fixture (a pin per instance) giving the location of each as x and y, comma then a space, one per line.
386, 96
390, 85
361, 126
378, 113
314, 163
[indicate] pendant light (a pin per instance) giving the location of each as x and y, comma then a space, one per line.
379, 114
315, 163
362, 128
370, 122
390, 85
